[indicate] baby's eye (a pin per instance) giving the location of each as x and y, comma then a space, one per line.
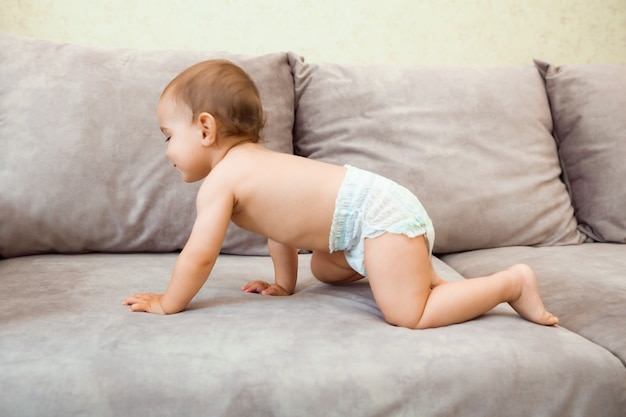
168, 139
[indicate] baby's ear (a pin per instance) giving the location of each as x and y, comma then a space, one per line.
208, 125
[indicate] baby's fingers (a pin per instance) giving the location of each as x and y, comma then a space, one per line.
255, 286
140, 307
137, 298
145, 302
270, 291
275, 290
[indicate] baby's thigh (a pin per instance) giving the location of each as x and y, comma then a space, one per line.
400, 274
332, 268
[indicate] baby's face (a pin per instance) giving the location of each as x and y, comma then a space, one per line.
184, 138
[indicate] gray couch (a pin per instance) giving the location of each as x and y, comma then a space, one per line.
514, 164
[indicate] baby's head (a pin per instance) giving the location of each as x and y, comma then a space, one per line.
224, 90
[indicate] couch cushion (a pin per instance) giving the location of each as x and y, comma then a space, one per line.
584, 285
325, 351
589, 110
83, 164
474, 144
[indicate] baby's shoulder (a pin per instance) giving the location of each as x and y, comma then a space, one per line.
219, 182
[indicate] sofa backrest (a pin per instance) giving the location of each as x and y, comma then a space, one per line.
588, 105
473, 143
83, 165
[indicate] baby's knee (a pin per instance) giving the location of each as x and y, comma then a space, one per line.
407, 317
409, 322
331, 268
319, 266
404, 308
406, 322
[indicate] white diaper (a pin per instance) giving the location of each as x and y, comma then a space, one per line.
369, 205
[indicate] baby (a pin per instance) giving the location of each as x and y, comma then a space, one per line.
355, 222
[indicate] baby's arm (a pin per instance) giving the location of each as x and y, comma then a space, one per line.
285, 259
195, 262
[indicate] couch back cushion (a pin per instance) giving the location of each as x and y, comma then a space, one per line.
83, 164
589, 110
474, 144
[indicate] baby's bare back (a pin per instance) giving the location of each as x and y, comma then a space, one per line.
287, 198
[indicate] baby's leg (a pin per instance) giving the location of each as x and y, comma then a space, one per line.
332, 268
435, 279
400, 274
528, 304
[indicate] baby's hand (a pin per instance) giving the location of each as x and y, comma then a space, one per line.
150, 303
262, 287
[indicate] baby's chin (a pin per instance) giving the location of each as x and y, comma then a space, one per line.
190, 177
190, 180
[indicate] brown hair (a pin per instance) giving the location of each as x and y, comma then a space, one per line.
224, 90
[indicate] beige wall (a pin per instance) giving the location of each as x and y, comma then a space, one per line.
401, 31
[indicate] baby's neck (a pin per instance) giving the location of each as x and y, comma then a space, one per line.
236, 143
234, 146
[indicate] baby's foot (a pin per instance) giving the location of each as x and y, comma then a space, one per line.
529, 304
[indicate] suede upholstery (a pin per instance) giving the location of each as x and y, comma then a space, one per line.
584, 284
324, 351
81, 139
469, 142
589, 110
82, 169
